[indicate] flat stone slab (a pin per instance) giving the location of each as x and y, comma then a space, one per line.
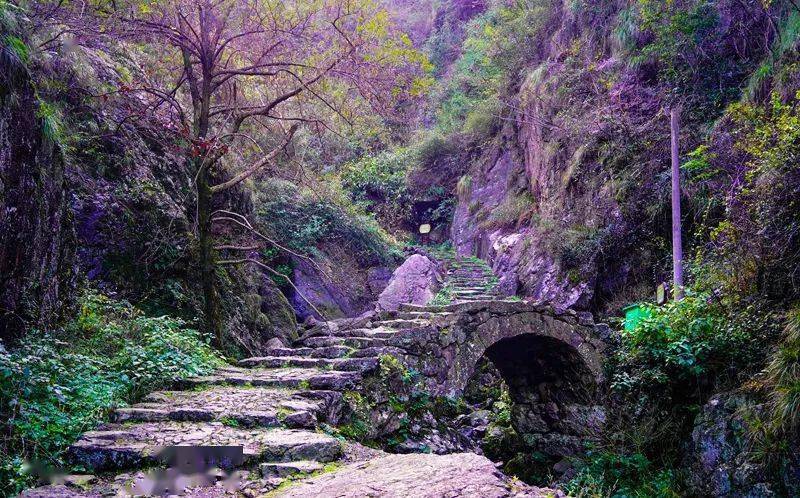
287, 469
342, 364
160, 482
249, 407
304, 378
458, 475
353, 342
119, 446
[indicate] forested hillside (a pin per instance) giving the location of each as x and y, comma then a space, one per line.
388, 188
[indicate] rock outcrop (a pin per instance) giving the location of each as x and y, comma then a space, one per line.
720, 457
415, 281
461, 475
37, 234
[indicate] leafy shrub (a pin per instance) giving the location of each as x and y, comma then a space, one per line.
752, 247
607, 474
56, 385
378, 184
677, 30
669, 365
686, 341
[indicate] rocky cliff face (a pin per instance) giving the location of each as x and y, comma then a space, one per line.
37, 235
579, 166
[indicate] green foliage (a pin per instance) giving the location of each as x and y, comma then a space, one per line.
678, 31
378, 184
499, 43
15, 54
606, 474
304, 220
783, 378
665, 368
383, 184
17, 48
687, 340
443, 297
514, 209
464, 187
55, 385
765, 222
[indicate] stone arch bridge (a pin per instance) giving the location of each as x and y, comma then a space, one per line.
550, 359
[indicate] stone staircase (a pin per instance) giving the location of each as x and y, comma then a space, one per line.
468, 279
273, 407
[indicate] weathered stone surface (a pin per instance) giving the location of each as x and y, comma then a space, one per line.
548, 357
61, 491
247, 406
285, 377
343, 364
122, 447
286, 469
416, 476
415, 281
719, 457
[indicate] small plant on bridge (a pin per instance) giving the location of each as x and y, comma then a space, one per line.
443, 297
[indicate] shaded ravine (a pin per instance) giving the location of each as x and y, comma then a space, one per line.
275, 408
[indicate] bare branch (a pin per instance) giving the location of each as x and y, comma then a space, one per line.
247, 173
237, 248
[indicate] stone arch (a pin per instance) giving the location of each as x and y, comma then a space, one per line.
551, 363
553, 393
478, 333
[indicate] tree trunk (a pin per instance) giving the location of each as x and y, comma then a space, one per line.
677, 243
208, 275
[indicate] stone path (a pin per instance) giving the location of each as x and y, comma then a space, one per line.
469, 279
247, 429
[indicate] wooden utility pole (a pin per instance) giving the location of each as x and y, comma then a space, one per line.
677, 243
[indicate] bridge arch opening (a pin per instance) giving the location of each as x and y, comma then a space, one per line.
553, 394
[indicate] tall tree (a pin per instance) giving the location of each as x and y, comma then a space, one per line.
235, 80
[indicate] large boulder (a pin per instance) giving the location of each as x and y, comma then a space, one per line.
416, 281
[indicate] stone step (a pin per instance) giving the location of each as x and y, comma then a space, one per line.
421, 307
378, 332
353, 342
290, 469
304, 378
118, 447
469, 282
342, 364
377, 351
288, 352
246, 407
323, 352
420, 315
403, 324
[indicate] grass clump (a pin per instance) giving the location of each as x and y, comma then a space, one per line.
607, 474
444, 297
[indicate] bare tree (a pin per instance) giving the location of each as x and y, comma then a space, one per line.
235, 80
